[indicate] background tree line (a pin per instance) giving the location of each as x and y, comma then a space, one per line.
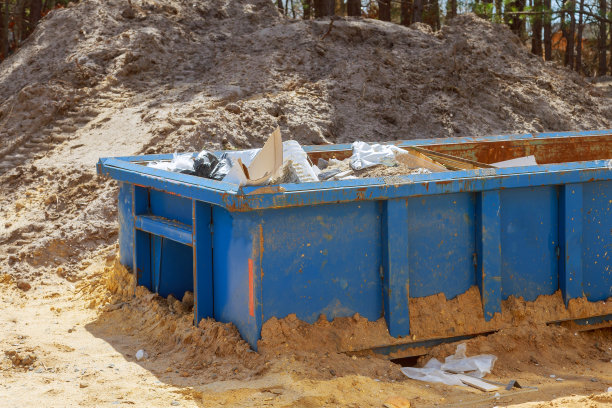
18, 18
578, 33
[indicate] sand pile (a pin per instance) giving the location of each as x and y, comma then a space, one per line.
94, 80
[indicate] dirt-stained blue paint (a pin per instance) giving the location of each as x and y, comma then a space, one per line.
367, 246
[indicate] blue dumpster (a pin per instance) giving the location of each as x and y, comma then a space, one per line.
368, 245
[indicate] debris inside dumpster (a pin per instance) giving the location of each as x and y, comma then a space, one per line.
178, 164
367, 155
206, 164
286, 162
517, 162
265, 164
457, 369
286, 174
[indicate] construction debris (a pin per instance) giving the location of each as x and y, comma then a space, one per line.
519, 161
457, 369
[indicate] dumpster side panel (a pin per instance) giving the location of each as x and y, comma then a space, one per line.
441, 242
237, 271
170, 206
126, 225
597, 240
322, 260
529, 241
173, 267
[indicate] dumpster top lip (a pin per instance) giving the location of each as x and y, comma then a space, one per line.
250, 198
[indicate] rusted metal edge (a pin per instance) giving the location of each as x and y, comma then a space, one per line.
420, 348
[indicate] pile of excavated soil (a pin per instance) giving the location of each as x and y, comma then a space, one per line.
94, 80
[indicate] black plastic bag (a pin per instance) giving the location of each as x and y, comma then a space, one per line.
204, 164
223, 167
207, 165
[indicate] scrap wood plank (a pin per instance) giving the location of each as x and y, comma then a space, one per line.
477, 383
450, 161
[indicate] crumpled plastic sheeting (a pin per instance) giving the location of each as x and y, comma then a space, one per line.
435, 371
179, 162
431, 373
366, 155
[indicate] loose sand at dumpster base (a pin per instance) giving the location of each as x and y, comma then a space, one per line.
183, 76
67, 344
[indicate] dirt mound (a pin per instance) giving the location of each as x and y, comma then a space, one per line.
94, 80
98, 80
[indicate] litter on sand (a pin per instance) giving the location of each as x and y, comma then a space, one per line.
457, 369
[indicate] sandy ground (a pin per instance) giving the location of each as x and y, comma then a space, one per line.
223, 74
77, 343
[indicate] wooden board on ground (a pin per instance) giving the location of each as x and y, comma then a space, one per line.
477, 383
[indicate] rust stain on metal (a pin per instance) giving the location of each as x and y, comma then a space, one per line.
251, 295
546, 151
268, 190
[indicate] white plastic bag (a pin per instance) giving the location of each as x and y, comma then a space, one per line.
477, 366
366, 155
431, 373
434, 371
178, 163
294, 152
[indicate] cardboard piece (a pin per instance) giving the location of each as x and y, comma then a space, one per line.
266, 164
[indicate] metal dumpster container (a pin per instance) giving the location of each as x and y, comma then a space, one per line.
368, 245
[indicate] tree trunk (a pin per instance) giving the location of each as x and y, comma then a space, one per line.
611, 47
547, 32
417, 11
498, 10
565, 34
578, 62
487, 9
307, 9
279, 5
4, 21
49, 5
384, 10
516, 23
324, 8
569, 50
536, 36
405, 12
353, 8
35, 14
601, 44
434, 13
